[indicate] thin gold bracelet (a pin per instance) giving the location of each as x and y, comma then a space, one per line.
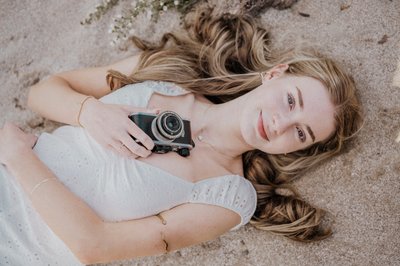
40, 183
164, 222
80, 109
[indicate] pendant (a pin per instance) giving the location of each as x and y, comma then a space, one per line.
200, 137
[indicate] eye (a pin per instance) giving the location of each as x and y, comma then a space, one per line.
301, 134
291, 101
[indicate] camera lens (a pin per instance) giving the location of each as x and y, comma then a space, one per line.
171, 124
167, 126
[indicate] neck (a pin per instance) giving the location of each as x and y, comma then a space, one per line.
219, 125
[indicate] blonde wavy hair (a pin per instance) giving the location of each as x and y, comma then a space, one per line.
220, 57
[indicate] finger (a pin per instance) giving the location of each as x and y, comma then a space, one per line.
141, 137
137, 149
120, 149
115, 148
133, 156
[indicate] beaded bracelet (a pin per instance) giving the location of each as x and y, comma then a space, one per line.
40, 183
80, 109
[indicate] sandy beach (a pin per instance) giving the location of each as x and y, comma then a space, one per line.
360, 189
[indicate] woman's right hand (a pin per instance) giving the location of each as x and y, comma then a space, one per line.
111, 127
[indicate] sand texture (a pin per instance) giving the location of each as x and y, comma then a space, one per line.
359, 188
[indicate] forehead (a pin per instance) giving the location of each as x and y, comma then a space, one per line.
318, 111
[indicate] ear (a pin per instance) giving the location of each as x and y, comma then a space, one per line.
276, 71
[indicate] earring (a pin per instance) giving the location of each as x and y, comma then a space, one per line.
263, 75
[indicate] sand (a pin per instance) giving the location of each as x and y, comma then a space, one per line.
360, 188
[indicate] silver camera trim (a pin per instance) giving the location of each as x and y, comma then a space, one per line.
175, 145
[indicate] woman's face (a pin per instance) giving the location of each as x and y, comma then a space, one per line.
287, 113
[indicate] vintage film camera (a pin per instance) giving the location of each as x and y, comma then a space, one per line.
168, 131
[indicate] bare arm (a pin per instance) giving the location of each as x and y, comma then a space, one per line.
58, 98
72, 220
185, 225
93, 240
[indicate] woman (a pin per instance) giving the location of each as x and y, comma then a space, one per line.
255, 119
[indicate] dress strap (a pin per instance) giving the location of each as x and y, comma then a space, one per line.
232, 192
166, 88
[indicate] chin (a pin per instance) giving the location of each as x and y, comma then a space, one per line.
250, 137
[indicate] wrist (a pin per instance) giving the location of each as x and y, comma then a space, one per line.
86, 105
20, 156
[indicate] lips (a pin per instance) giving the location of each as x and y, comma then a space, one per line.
261, 129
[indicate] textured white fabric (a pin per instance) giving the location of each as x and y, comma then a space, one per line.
116, 188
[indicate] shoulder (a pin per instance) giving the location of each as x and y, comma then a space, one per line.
167, 88
138, 94
162, 87
232, 192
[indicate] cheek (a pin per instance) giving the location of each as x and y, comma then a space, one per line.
273, 108
284, 144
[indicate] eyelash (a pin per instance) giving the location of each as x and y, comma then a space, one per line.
292, 103
301, 134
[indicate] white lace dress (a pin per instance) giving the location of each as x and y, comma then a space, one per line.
116, 188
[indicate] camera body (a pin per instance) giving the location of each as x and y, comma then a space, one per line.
168, 131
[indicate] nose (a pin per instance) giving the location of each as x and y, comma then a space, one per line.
280, 124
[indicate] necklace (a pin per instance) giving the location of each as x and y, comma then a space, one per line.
200, 137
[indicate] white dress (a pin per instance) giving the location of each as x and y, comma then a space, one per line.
116, 188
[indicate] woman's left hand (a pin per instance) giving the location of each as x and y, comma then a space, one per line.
14, 142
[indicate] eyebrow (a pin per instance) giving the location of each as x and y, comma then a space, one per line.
301, 103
